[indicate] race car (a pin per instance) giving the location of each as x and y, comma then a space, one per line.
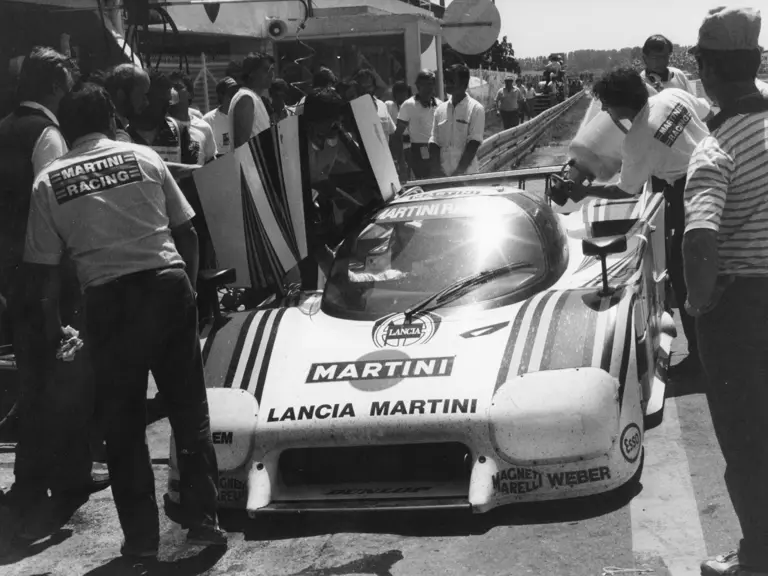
471, 348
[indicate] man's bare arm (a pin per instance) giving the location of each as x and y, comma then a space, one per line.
185, 238
470, 151
242, 121
700, 265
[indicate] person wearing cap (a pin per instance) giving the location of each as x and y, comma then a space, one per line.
658, 73
457, 128
665, 130
128, 86
248, 114
509, 102
218, 118
116, 210
725, 250
416, 115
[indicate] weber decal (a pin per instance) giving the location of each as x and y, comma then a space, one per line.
95, 175
380, 369
576, 477
673, 126
631, 443
394, 332
517, 481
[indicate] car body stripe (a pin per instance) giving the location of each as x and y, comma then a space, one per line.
556, 327
254, 350
627, 348
507, 358
589, 338
518, 347
238, 350
610, 332
537, 334
268, 354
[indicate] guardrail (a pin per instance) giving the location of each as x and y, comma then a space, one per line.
508, 147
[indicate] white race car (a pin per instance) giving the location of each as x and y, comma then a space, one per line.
471, 348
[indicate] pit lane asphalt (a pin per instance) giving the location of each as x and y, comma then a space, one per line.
678, 513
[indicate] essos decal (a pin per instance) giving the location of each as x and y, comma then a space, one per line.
631, 443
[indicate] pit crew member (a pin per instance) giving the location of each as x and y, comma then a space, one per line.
658, 73
52, 451
457, 128
416, 115
116, 209
128, 86
725, 250
218, 119
247, 113
665, 130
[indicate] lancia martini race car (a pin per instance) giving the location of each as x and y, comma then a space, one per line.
471, 348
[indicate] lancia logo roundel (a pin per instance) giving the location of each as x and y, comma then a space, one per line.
394, 332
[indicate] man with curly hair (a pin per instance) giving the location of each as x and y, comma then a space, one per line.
665, 130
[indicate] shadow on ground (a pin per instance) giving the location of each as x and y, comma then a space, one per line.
425, 524
189, 566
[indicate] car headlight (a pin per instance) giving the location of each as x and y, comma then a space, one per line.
555, 416
233, 422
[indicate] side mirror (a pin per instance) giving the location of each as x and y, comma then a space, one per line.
601, 247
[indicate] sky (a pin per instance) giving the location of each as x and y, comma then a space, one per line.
538, 27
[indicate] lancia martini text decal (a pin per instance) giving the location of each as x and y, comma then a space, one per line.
376, 370
394, 331
375, 409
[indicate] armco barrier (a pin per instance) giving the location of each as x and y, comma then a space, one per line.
507, 147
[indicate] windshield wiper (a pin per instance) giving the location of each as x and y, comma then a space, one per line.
461, 287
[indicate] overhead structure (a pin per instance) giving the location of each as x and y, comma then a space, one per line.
471, 26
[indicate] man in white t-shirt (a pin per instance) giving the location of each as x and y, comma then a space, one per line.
218, 118
666, 128
416, 116
658, 73
457, 128
248, 115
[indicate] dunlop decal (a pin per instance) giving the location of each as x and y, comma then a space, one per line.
97, 175
238, 351
254, 350
268, 354
509, 349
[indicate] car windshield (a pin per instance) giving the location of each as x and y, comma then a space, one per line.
412, 250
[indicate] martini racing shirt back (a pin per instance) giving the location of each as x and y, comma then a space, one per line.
111, 205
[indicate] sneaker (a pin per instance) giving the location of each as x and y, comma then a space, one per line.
207, 536
727, 565
133, 551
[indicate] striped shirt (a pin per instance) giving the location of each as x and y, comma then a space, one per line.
727, 192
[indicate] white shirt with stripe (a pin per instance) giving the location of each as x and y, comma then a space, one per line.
662, 138
727, 192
